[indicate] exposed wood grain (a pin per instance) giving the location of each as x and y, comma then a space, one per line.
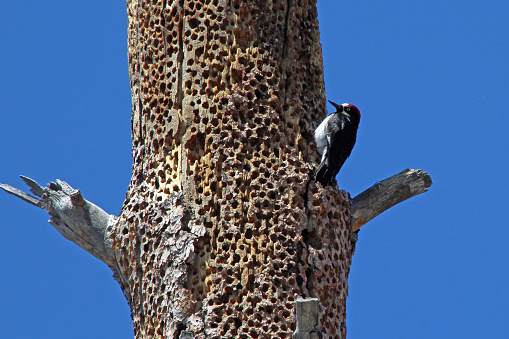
20, 194
307, 315
77, 219
387, 193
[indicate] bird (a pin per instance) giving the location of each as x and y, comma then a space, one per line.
335, 138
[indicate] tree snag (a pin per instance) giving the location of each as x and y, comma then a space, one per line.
223, 230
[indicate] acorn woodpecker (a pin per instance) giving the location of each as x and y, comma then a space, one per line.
335, 138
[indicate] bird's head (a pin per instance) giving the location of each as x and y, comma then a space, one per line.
347, 109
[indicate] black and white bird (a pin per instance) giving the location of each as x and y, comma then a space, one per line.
335, 138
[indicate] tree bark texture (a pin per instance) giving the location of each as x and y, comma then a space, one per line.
222, 228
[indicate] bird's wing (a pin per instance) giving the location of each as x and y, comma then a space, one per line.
336, 143
341, 139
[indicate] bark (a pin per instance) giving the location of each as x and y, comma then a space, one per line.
222, 229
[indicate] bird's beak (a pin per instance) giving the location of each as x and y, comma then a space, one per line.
339, 108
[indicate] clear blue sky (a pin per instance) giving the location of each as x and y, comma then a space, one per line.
431, 81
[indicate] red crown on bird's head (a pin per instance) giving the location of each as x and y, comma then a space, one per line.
358, 111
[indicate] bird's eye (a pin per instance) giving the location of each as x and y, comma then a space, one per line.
347, 109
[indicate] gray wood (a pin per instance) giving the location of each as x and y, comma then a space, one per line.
387, 193
308, 313
20, 194
77, 219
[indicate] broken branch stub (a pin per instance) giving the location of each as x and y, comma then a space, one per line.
386, 194
307, 316
77, 219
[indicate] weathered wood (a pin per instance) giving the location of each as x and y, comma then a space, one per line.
20, 194
225, 99
77, 219
307, 315
387, 193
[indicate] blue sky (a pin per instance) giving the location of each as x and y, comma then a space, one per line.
431, 80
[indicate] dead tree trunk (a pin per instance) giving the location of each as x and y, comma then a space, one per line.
223, 230
220, 234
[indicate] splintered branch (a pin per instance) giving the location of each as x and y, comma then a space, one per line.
388, 193
77, 219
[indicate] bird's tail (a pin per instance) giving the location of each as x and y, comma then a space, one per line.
323, 174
